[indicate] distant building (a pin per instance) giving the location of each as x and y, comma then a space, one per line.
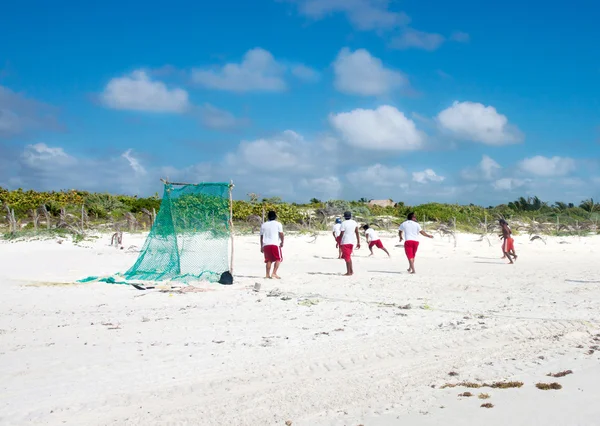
382, 203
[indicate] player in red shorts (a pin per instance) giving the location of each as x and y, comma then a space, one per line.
409, 231
373, 240
508, 243
271, 243
349, 237
337, 230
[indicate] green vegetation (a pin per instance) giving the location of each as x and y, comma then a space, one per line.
34, 210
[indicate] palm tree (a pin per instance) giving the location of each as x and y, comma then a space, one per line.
559, 205
588, 205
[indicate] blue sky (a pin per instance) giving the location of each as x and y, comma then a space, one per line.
415, 101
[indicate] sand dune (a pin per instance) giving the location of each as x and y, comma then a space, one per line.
315, 348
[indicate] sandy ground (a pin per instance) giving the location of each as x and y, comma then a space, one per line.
327, 350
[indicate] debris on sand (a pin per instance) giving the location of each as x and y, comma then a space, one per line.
487, 405
494, 385
484, 396
453, 374
561, 374
548, 386
466, 394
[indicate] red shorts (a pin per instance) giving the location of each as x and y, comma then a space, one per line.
347, 251
376, 243
508, 245
338, 239
410, 248
272, 254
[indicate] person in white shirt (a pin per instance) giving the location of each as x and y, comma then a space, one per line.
271, 243
337, 230
409, 231
348, 238
373, 240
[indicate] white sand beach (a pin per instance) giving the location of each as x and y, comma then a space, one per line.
314, 348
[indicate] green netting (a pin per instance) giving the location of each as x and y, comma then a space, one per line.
190, 236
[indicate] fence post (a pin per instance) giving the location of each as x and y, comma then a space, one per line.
454, 232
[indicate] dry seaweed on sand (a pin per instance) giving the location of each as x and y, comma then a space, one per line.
462, 384
548, 386
484, 396
487, 405
504, 385
494, 385
561, 374
466, 394
453, 374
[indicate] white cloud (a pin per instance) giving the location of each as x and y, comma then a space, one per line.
548, 167
412, 38
478, 123
384, 128
378, 175
218, 119
19, 114
363, 14
359, 73
284, 152
258, 71
134, 163
138, 92
509, 184
487, 169
328, 187
460, 37
427, 176
44, 167
305, 73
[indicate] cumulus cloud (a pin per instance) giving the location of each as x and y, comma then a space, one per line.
45, 167
305, 73
382, 129
138, 92
20, 115
218, 119
378, 175
478, 123
547, 167
258, 71
509, 184
328, 187
427, 176
359, 73
364, 15
414, 39
487, 169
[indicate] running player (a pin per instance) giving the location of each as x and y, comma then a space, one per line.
349, 237
271, 243
373, 240
337, 230
409, 231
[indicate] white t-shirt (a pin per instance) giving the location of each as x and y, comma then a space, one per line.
349, 227
371, 235
270, 232
337, 229
411, 230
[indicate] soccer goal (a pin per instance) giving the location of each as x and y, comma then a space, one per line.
192, 236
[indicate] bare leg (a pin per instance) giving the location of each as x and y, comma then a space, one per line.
386, 252
371, 250
411, 263
268, 269
508, 255
275, 268
514, 254
349, 270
